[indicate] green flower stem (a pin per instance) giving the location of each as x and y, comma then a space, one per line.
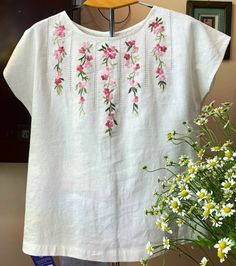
185, 221
162, 168
210, 134
186, 253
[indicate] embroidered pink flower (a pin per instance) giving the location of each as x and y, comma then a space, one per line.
60, 31
159, 29
127, 56
133, 83
109, 124
109, 53
159, 50
137, 67
111, 116
154, 25
85, 62
159, 71
82, 84
131, 43
82, 100
59, 54
135, 99
58, 81
132, 60
80, 68
104, 77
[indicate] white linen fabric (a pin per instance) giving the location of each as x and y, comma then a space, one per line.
101, 107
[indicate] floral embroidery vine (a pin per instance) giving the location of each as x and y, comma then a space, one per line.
132, 62
59, 54
85, 62
108, 59
159, 50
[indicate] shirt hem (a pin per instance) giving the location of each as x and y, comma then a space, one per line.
111, 255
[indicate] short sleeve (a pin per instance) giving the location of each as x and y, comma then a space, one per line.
19, 72
209, 46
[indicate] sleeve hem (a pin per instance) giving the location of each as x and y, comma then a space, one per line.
222, 50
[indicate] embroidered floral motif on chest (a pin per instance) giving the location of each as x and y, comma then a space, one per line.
132, 64
59, 54
159, 50
109, 59
85, 62
109, 53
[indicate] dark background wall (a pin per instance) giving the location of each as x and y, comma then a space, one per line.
15, 18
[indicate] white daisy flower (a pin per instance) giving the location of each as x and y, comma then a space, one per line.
227, 184
200, 153
175, 204
227, 210
224, 246
200, 121
179, 222
228, 156
191, 168
204, 261
166, 242
165, 228
188, 179
228, 194
202, 194
158, 223
213, 163
184, 192
183, 160
208, 208
149, 248
216, 220
216, 148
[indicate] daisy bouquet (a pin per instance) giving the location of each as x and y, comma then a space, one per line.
199, 193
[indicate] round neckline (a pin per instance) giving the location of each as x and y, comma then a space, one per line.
101, 35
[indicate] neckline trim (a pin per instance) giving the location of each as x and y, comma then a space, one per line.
104, 35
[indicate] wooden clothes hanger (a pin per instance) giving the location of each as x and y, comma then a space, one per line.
111, 5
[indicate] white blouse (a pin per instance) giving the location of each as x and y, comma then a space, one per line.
101, 107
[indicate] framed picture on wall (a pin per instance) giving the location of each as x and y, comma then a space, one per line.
213, 13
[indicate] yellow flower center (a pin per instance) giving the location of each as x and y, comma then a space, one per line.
227, 185
179, 178
187, 178
184, 193
180, 221
222, 244
228, 154
191, 170
206, 213
227, 209
174, 204
172, 188
210, 205
200, 153
212, 163
201, 195
220, 253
